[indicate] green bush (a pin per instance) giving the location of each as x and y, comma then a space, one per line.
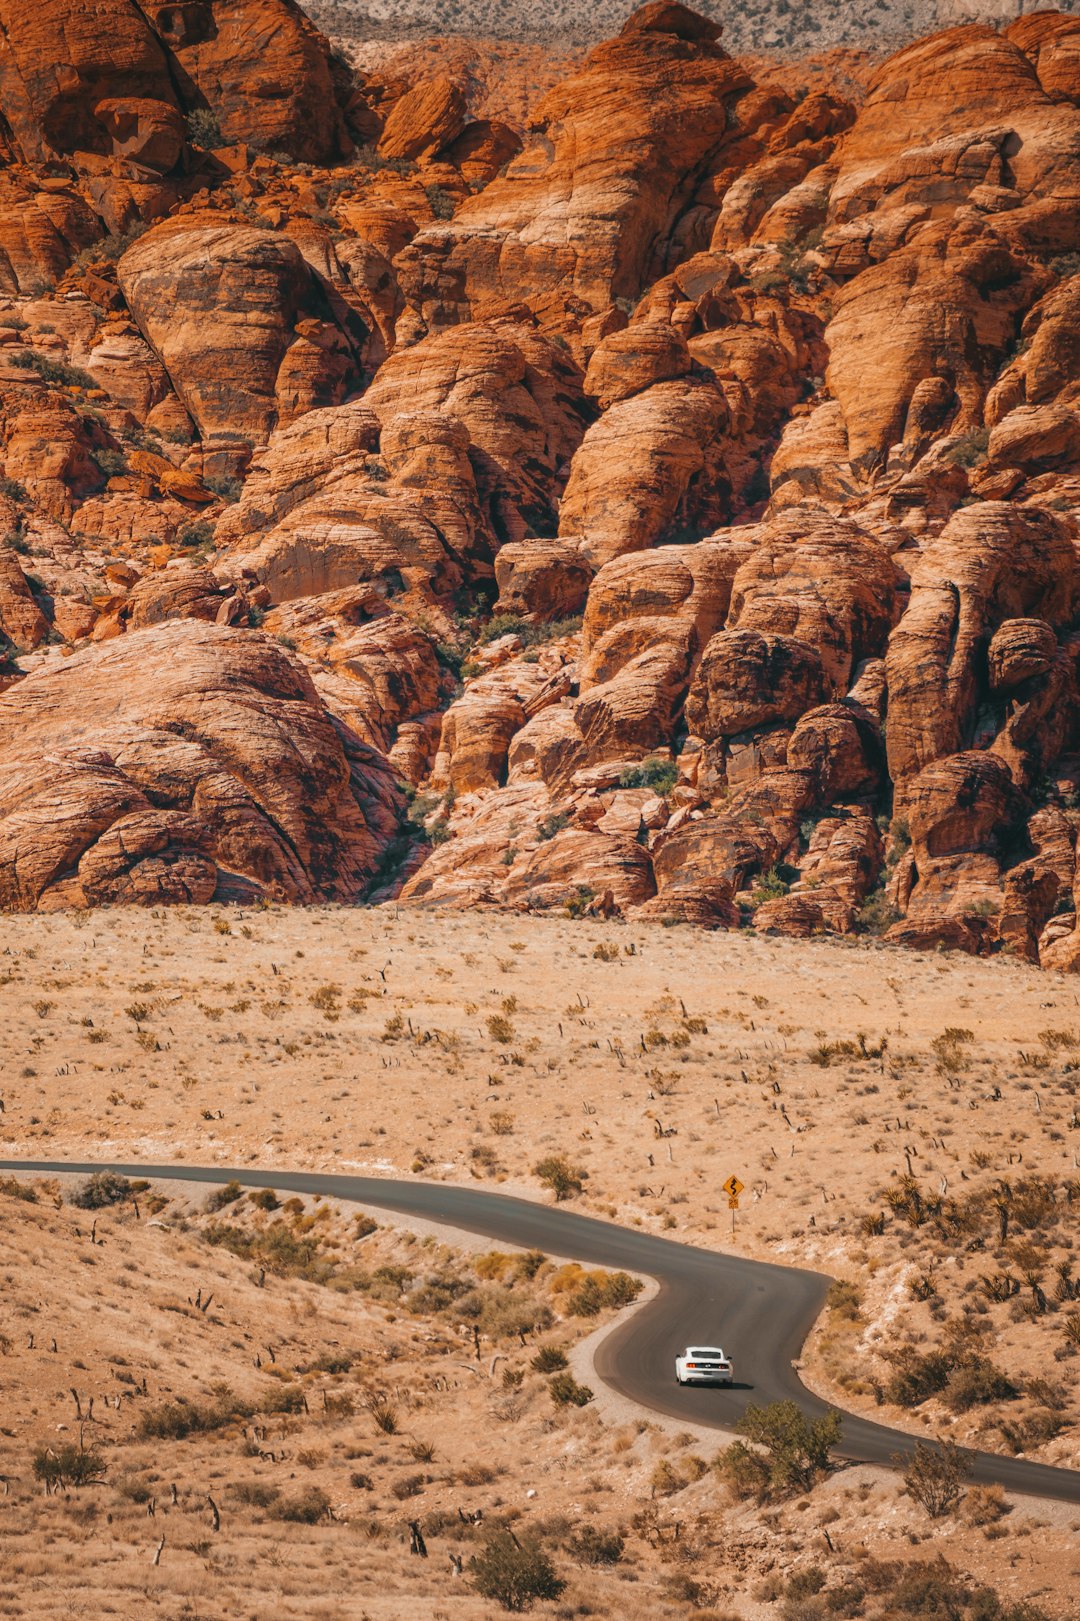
224, 1196
549, 1359
975, 1383
113, 463
934, 1477
229, 489
308, 1507
515, 1574
970, 450
110, 248
51, 371
195, 535
105, 1188
531, 634
917, 1377
204, 128
593, 1294
264, 1199
69, 1465
596, 1547
557, 1173
440, 201
173, 1420
255, 1493
566, 1392
660, 775
795, 1450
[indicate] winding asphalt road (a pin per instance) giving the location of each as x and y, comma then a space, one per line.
761, 1314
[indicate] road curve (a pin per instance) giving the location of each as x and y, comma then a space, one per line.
760, 1313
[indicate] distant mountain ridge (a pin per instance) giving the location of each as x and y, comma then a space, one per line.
757, 25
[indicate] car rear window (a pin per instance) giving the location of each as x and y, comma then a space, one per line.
717, 1356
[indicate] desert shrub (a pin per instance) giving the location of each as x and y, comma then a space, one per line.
549, 1359
440, 202
112, 463
934, 1477
203, 128
514, 1573
984, 1505
600, 1289
976, 1382
770, 886
255, 1493
530, 634
229, 489
805, 1583
13, 490
795, 1451
308, 1507
917, 1377
660, 775
285, 1399
264, 1199
551, 825
194, 535
173, 1420
566, 1392
970, 450
69, 1465
369, 157
224, 1196
557, 1173
877, 914
408, 1486
385, 1415
277, 1247
932, 1590
51, 371
845, 1300
593, 1546
17, 1190
105, 1188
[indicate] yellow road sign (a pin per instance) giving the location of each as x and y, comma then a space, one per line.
733, 1204
732, 1187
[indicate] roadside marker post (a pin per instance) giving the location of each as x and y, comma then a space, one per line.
732, 1187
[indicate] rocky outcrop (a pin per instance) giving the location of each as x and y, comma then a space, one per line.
582, 216
187, 761
676, 491
241, 327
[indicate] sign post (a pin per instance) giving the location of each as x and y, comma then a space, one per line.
732, 1187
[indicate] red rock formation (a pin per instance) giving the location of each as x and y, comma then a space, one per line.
352, 401
218, 772
537, 236
240, 326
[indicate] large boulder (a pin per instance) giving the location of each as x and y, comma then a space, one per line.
185, 761
240, 324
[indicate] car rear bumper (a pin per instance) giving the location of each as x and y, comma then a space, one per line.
706, 1378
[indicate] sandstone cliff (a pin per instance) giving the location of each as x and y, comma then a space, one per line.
663, 504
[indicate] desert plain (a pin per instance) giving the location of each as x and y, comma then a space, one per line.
655, 1061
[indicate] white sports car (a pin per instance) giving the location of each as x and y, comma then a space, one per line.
703, 1365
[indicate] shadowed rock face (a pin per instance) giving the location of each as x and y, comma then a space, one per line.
666, 506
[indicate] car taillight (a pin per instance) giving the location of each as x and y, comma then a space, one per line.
690, 1365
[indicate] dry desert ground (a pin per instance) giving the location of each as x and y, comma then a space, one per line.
880, 1107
